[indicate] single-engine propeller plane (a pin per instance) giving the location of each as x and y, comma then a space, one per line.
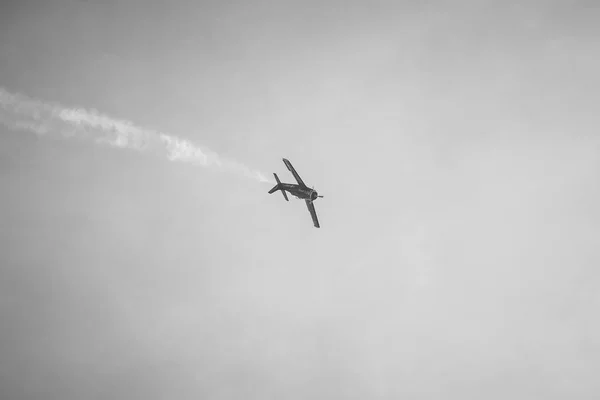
300, 191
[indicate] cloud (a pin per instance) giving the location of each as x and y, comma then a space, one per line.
20, 112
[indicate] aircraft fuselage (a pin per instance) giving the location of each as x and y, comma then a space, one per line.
300, 192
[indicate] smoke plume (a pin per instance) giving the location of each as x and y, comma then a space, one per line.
43, 118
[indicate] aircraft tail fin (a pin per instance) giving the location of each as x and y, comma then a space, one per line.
278, 187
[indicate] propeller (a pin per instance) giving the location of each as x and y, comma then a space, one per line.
313, 189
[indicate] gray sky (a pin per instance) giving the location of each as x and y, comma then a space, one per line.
457, 148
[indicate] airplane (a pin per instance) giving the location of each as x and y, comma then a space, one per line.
301, 191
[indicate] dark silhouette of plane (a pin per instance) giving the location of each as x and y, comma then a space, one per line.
300, 190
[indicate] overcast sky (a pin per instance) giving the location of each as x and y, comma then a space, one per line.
456, 144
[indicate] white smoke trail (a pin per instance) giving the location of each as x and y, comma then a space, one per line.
51, 119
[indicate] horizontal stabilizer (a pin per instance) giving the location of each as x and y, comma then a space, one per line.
278, 187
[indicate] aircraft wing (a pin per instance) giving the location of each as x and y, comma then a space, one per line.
289, 166
313, 213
